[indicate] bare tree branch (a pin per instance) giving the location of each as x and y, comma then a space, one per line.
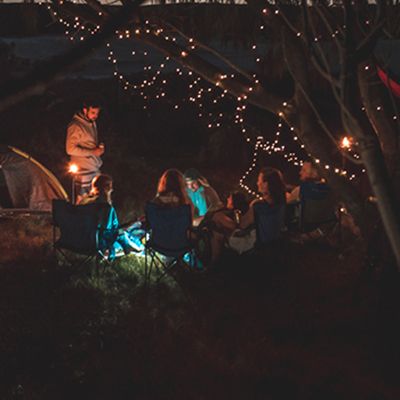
255, 95
98, 7
36, 81
212, 51
315, 110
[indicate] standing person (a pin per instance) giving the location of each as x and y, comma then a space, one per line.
201, 194
83, 147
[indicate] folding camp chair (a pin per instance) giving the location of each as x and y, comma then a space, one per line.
79, 232
269, 223
168, 239
318, 210
268, 241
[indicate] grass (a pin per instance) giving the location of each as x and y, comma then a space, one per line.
311, 326
300, 330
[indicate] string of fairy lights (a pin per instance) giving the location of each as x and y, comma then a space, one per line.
77, 30
196, 98
273, 146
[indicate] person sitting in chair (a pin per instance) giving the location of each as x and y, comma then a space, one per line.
171, 189
222, 223
111, 237
226, 219
201, 194
309, 177
271, 187
171, 192
271, 204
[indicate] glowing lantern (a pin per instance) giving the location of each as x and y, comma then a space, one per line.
346, 143
73, 169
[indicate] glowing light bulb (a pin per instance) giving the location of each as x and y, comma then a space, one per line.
346, 143
73, 168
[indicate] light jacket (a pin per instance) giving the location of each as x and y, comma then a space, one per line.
81, 142
204, 199
108, 223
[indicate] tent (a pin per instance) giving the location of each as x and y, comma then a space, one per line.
25, 184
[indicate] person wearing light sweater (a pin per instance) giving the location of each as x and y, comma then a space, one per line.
83, 147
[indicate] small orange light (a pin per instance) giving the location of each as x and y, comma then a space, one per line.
346, 143
73, 168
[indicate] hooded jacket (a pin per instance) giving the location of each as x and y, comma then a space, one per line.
204, 199
81, 142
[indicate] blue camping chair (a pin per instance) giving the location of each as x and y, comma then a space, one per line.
317, 206
269, 223
80, 230
267, 230
168, 238
318, 211
269, 250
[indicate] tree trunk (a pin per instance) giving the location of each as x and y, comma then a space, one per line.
362, 128
311, 133
377, 103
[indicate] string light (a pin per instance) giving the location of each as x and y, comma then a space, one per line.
146, 83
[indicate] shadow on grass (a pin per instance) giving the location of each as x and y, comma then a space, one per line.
259, 330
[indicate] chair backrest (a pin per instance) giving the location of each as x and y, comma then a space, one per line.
78, 225
269, 221
169, 228
317, 204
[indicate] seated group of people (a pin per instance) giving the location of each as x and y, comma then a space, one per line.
230, 224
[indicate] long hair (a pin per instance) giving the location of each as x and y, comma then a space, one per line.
101, 184
172, 182
276, 185
239, 201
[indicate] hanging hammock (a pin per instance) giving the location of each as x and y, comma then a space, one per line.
392, 85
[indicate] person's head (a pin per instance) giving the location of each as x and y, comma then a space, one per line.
102, 185
237, 201
271, 185
308, 172
172, 181
193, 178
91, 108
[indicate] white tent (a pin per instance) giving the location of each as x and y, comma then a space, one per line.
25, 184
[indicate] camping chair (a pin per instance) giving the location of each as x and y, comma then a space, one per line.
269, 223
168, 239
79, 231
264, 233
318, 210
270, 240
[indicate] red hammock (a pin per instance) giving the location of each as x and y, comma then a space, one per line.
390, 83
